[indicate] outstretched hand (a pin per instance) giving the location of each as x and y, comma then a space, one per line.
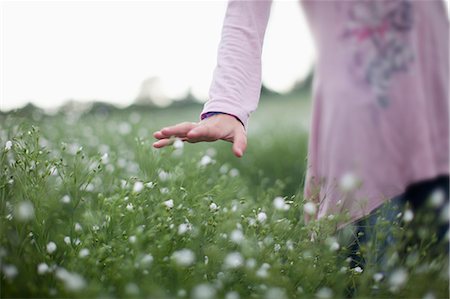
216, 127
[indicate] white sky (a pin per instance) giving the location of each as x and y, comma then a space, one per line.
58, 50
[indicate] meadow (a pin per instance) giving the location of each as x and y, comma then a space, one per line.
90, 210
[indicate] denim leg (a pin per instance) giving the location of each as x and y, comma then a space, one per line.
375, 235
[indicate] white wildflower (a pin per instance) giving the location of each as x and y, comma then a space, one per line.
184, 257
25, 211
163, 176
280, 204
138, 186
437, 198
131, 289
232, 295
445, 213
348, 182
310, 208
234, 172
72, 281
213, 207
408, 216
184, 228
67, 240
203, 291
164, 190
357, 270
51, 247
130, 207
78, 227
262, 217
237, 236
334, 246
8, 145
263, 270
233, 260
104, 158
377, 277
324, 293
10, 271
65, 199
178, 144
275, 292
169, 203
83, 253
132, 239
398, 278
150, 185
206, 160
146, 260
42, 268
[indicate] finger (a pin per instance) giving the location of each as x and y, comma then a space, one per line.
158, 135
163, 142
239, 143
199, 132
178, 130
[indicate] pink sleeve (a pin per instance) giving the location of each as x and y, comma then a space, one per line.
236, 84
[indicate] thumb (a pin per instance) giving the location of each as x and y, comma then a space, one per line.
239, 143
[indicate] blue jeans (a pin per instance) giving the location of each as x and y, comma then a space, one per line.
374, 235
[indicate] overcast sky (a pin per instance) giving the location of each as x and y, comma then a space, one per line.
57, 50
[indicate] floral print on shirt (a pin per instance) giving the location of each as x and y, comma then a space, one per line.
379, 31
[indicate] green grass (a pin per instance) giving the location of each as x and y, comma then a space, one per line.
117, 238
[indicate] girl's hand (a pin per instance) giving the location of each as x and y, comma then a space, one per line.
216, 127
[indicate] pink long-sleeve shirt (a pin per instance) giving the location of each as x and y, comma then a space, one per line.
380, 95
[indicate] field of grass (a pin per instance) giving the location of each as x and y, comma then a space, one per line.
90, 210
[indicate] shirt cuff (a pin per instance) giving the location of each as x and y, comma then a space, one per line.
211, 113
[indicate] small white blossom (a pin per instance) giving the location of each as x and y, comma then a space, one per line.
184, 228
357, 269
42, 268
234, 172
206, 160
232, 295
334, 246
398, 278
262, 217
310, 208
178, 143
324, 293
233, 260
163, 176
51, 247
203, 291
78, 227
67, 240
150, 185
132, 239
138, 186
437, 198
213, 207
146, 260
83, 253
72, 281
10, 271
263, 270
408, 216
348, 182
378, 277
65, 199
280, 204
25, 211
130, 207
237, 236
8, 145
169, 203
184, 257
131, 289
